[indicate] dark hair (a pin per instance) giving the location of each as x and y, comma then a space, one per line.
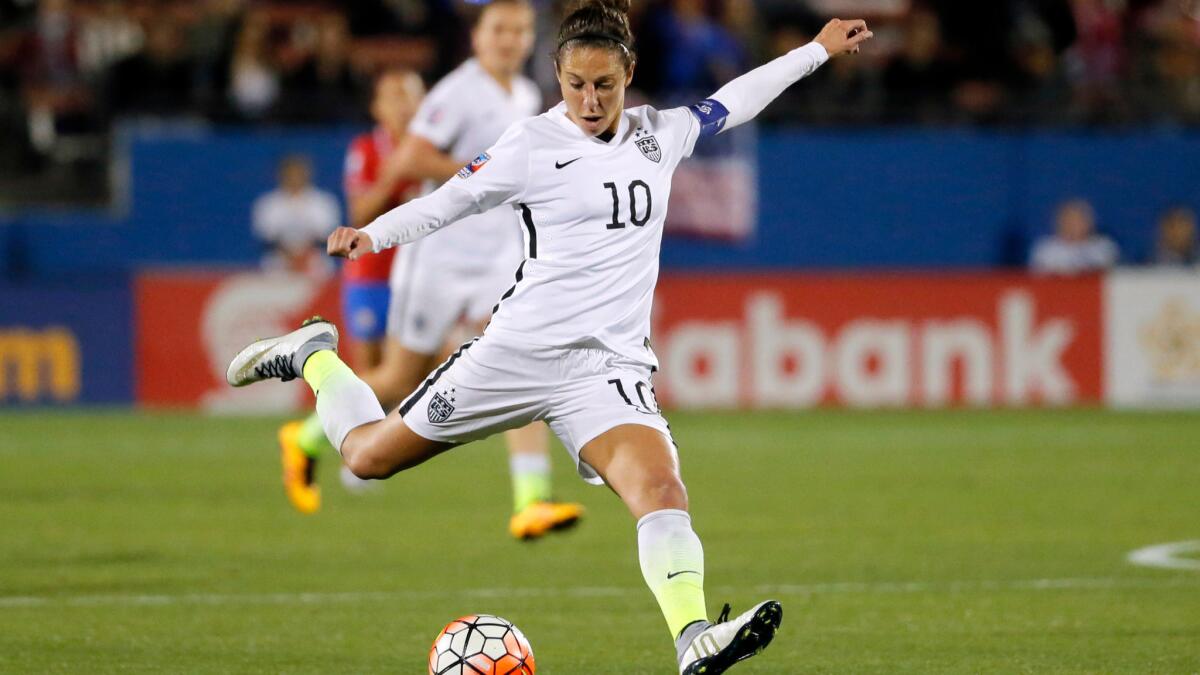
597, 23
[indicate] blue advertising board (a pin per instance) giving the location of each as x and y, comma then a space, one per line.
65, 346
827, 199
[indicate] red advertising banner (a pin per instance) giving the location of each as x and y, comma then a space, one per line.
190, 324
794, 341
740, 341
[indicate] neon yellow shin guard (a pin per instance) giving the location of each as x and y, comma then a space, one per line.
672, 561
344, 402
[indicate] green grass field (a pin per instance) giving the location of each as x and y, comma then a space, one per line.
958, 542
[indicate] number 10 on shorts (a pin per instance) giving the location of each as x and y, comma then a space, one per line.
646, 403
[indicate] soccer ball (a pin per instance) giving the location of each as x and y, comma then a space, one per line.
481, 644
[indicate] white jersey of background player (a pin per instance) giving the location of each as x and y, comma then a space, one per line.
461, 271
569, 343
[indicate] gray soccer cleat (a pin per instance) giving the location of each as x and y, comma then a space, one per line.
708, 649
282, 357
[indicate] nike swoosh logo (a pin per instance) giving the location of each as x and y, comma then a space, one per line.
564, 165
672, 575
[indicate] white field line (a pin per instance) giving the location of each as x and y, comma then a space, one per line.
1167, 556
916, 587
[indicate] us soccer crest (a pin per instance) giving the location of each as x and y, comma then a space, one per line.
441, 408
649, 148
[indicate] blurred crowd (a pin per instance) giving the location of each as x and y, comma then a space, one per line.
1077, 246
70, 68
935, 61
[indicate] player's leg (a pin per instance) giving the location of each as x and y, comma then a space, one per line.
417, 316
640, 464
397, 376
535, 511
529, 464
372, 445
302, 442
608, 419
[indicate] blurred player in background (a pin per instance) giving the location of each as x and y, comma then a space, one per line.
375, 183
458, 275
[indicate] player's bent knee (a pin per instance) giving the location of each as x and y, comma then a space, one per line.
361, 455
663, 491
369, 465
384, 449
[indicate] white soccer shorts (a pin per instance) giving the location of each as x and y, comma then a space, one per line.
429, 299
490, 386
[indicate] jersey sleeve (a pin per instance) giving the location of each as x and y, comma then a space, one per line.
498, 176
441, 117
682, 128
744, 97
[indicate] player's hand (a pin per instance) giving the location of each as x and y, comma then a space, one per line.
347, 242
843, 37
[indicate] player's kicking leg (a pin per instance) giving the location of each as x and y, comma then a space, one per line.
640, 465
371, 444
303, 442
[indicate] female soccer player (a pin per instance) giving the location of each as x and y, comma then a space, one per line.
569, 342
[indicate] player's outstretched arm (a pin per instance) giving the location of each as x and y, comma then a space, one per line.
403, 224
742, 99
495, 177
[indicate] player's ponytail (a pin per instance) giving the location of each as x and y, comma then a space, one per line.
597, 23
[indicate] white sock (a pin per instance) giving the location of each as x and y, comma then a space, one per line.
528, 462
672, 560
345, 403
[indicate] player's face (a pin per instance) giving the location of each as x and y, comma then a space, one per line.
593, 82
396, 99
503, 38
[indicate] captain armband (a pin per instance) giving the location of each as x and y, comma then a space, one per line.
712, 115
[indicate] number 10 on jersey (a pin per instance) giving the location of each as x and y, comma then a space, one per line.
634, 204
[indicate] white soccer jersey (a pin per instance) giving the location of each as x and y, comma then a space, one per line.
592, 211
592, 214
463, 115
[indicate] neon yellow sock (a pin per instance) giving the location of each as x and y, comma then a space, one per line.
529, 488
682, 602
672, 561
530, 479
311, 438
321, 366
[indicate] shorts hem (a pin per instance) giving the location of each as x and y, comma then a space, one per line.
586, 472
